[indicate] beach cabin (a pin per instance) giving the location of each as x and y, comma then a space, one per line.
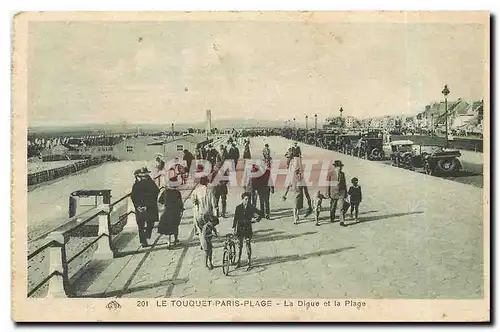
146, 148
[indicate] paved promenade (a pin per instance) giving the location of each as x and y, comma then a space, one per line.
418, 237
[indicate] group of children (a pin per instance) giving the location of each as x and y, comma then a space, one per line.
353, 199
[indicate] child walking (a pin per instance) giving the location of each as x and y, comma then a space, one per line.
318, 199
355, 197
208, 232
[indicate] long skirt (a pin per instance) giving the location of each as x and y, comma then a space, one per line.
169, 223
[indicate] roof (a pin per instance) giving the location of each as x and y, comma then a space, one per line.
55, 150
402, 142
188, 137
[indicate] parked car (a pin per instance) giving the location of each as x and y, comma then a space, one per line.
371, 148
432, 159
400, 152
349, 143
438, 160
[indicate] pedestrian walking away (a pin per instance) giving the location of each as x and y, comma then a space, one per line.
234, 155
297, 185
289, 156
244, 216
337, 192
188, 158
144, 196
355, 197
220, 193
264, 189
172, 213
223, 153
266, 153
246, 150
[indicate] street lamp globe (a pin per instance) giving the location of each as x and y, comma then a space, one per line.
445, 91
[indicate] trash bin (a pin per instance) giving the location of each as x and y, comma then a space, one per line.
75, 196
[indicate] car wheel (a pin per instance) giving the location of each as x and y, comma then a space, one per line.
447, 165
375, 154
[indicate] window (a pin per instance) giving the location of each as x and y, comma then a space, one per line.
179, 147
130, 148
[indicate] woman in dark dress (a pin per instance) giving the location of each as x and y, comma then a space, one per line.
171, 218
246, 150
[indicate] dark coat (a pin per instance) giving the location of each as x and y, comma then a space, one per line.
172, 214
188, 157
342, 186
246, 152
144, 194
242, 221
296, 152
263, 181
224, 154
355, 194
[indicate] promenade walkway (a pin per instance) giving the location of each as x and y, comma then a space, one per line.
418, 237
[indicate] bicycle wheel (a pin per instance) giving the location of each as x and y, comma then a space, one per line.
232, 248
225, 263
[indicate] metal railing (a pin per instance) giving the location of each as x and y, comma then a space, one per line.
58, 278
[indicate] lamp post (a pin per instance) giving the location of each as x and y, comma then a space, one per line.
307, 128
446, 92
432, 124
341, 121
316, 127
295, 128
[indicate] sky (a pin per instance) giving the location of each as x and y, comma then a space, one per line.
154, 72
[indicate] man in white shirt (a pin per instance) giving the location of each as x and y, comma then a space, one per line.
203, 200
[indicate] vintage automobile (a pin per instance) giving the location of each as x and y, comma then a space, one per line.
349, 143
371, 148
401, 150
432, 159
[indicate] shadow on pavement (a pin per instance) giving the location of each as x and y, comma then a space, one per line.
266, 261
263, 230
269, 238
384, 216
92, 272
163, 283
125, 238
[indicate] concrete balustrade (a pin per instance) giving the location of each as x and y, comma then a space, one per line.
57, 265
104, 244
131, 221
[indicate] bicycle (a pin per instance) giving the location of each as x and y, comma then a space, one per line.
229, 254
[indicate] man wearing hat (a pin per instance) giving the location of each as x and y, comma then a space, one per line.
213, 155
144, 194
223, 153
337, 193
234, 154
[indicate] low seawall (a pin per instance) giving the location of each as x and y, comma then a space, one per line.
57, 172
